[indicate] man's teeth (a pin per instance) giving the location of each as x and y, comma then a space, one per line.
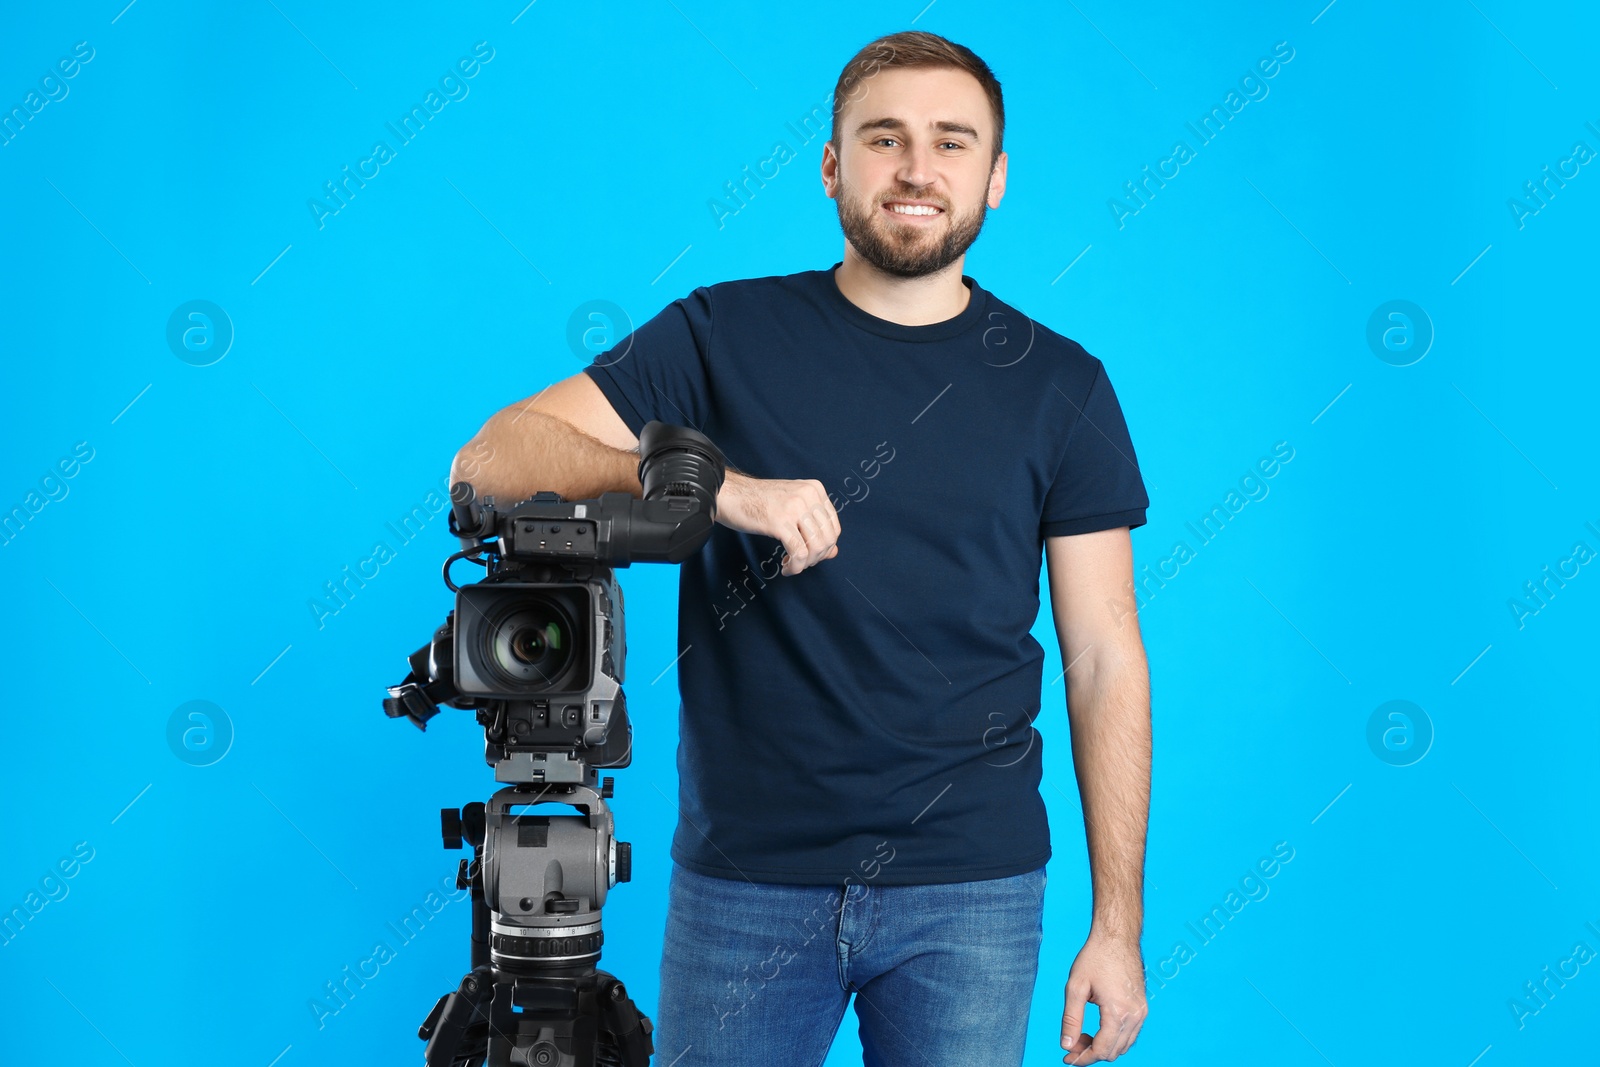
913, 209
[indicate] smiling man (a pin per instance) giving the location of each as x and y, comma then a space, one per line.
859, 806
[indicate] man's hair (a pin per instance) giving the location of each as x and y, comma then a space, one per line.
915, 49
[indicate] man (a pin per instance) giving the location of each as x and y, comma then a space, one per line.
859, 802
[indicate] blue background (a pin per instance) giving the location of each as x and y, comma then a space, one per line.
1232, 311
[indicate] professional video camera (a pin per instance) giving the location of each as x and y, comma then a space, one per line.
536, 648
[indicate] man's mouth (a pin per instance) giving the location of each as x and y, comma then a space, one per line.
905, 210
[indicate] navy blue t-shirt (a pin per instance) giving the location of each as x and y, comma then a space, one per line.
872, 716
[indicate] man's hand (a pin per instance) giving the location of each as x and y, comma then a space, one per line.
1110, 974
796, 512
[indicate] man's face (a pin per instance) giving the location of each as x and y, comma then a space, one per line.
912, 177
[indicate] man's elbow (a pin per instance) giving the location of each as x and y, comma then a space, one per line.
472, 461
1110, 654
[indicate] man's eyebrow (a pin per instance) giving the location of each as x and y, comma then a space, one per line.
899, 126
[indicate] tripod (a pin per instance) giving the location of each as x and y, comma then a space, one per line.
533, 997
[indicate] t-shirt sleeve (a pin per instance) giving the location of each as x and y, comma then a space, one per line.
662, 370
1098, 485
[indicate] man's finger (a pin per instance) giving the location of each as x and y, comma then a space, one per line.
1127, 1043
1081, 1051
822, 504
1120, 1018
794, 547
815, 533
1129, 1033
1072, 1017
819, 544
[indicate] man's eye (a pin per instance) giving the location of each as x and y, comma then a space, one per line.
942, 144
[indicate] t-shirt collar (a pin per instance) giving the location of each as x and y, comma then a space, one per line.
934, 331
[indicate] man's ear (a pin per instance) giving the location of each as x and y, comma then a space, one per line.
997, 182
830, 171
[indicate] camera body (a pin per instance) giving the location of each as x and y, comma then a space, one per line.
537, 647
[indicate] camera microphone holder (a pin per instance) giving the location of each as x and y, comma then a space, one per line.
537, 649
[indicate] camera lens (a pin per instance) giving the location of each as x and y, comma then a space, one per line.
530, 644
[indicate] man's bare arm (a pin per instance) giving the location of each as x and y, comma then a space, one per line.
1108, 703
519, 453
568, 439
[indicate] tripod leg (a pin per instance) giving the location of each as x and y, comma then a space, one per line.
457, 1029
623, 1023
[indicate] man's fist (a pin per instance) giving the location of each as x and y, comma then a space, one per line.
795, 511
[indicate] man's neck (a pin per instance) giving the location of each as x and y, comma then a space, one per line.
907, 301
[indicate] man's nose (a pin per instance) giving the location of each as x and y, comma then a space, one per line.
916, 167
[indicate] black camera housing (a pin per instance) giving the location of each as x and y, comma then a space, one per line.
537, 647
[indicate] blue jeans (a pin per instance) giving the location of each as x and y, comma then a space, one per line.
757, 974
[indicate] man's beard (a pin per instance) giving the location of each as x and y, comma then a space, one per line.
895, 249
